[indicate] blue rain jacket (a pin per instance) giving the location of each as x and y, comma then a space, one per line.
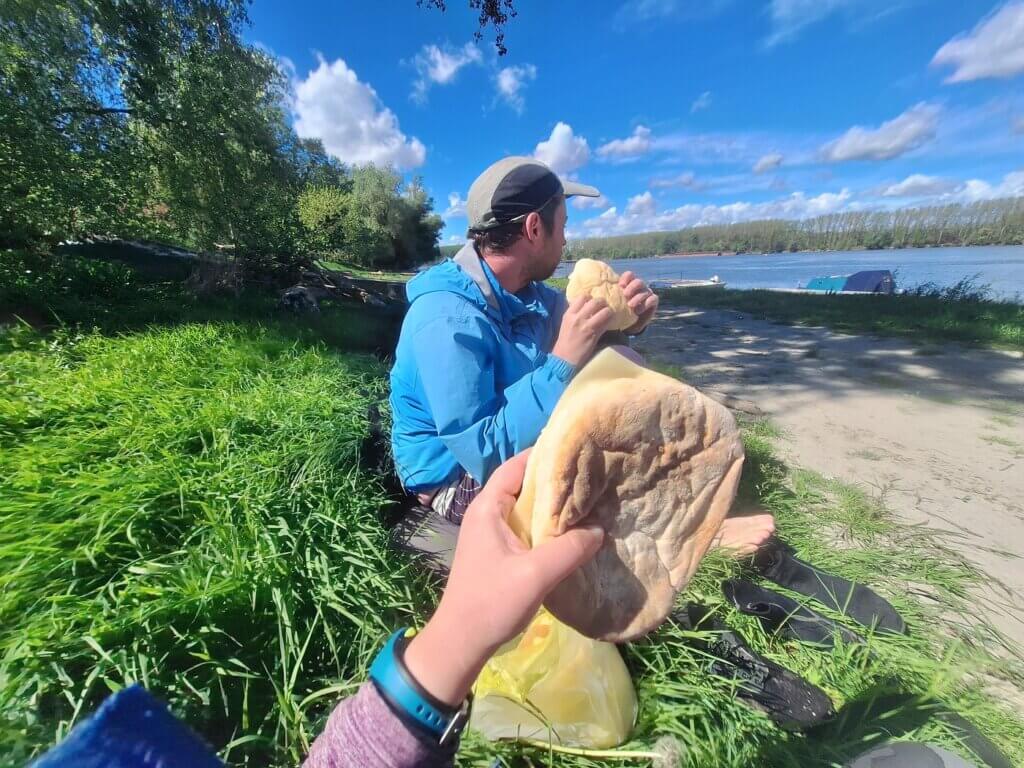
474, 381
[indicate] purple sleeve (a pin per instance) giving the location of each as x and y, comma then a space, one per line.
363, 732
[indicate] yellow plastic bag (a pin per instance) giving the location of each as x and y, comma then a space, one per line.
553, 684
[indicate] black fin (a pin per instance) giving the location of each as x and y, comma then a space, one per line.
785, 697
776, 561
785, 615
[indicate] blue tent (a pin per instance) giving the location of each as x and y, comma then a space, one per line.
872, 281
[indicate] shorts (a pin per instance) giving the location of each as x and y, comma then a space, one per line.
451, 501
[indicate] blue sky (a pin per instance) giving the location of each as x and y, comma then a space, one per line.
682, 112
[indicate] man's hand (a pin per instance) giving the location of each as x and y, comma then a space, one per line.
583, 323
496, 586
642, 300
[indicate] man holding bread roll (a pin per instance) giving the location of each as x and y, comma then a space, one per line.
486, 348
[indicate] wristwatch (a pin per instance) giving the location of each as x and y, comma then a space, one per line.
407, 697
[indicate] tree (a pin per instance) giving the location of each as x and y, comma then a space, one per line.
322, 209
152, 118
386, 227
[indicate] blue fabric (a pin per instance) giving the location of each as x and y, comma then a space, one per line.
130, 730
472, 384
828, 284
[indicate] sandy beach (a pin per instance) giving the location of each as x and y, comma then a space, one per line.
936, 432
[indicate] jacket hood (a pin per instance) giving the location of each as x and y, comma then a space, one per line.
447, 277
465, 275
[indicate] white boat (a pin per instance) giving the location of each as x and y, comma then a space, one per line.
714, 282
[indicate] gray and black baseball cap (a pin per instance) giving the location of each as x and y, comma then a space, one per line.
513, 188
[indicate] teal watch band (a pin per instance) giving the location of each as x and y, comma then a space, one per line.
408, 698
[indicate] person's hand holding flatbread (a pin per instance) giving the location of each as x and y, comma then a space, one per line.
633, 304
650, 460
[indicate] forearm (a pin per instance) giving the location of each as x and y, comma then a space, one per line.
363, 732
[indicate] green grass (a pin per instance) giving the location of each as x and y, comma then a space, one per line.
559, 283
931, 318
58, 291
182, 504
184, 507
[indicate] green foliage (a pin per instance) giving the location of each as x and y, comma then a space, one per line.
184, 508
154, 119
80, 81
993, 222
109, 296
322, 212
955, 314
387, 228
34, 280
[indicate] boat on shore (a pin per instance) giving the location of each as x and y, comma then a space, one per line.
874, 282
714, 282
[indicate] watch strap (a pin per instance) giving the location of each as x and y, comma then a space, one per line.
408, 697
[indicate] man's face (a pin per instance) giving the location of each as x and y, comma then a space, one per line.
549, 247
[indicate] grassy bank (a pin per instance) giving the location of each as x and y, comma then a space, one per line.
53, 291
937, 317
183, 504
184, 507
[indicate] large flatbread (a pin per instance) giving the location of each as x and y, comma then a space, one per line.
652, 461
597, 280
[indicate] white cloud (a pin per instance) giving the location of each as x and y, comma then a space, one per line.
641, 205
642, 215
768, 162
635, 11
701, 102
973, 190
891, 139
510, 82
788, 17
456, 206
723, 148
727, 184
590, 203
608, 218
563, 152
331, 104
434, 65
919, 185
629, 148
642, 10
685, 180
994, 48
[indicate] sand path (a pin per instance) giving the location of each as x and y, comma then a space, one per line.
937, 432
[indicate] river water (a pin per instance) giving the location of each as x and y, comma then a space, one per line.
1002, 267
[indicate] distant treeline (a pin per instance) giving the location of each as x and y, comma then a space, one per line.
992, 222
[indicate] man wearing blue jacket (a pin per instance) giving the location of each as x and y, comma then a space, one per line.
486, 348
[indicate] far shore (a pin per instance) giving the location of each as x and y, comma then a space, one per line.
712, 254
